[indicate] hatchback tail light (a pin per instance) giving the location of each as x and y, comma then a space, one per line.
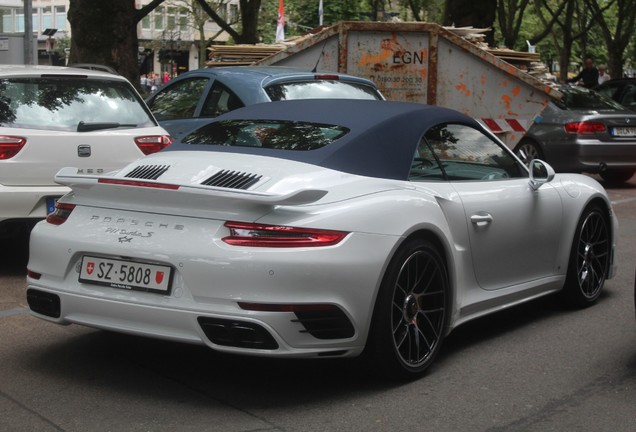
153, 143
60, 214
10, 146
584, 128
258, 235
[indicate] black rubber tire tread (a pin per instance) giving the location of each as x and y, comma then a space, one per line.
617, 176
381, 349
573, 293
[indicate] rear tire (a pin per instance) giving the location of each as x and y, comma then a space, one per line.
527, 150
589, 259
617, 176
411, 312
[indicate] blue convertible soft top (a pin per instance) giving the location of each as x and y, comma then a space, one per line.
382, 139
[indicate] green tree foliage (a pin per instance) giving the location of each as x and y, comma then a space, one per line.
617, 21
565, 30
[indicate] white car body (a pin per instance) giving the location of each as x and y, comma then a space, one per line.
177, 222
27, 186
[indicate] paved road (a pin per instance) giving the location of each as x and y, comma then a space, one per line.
537, 367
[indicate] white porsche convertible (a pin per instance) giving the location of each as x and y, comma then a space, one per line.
320, 228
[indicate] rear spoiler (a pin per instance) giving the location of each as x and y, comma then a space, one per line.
70, 177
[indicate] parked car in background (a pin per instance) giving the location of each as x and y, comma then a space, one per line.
93, 66
195, 97
320, 229
53, 117
622, 90
584, 132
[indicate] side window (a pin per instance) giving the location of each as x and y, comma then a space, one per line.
629, 97
179, 100
219, 101
465, 153
608, 90
424, 166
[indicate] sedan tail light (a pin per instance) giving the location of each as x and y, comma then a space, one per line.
10, 146
60, 214
258, 235
153, 143
584, 127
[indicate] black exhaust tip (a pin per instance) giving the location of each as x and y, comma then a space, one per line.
236, 333
44, 303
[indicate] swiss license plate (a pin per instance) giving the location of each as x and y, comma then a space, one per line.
50, 204
624, 131
124, 274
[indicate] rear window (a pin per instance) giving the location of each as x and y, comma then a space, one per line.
283, 135
321, 89
62, 103
575, 98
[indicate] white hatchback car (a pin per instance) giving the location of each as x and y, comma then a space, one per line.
53, 117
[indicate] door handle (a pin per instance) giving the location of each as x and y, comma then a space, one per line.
481, 219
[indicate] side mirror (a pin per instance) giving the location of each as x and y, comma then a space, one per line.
540, 173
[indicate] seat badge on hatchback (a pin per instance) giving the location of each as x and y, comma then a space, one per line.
84, 150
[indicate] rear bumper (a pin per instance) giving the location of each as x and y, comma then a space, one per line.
27, 204
211, 283
592, 156
247, 334
21, 202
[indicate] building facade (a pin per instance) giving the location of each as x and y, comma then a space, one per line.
172, 38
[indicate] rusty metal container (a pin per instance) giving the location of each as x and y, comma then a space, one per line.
425, 63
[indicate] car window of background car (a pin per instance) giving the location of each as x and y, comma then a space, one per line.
321, 90
60, 104
179, 100
629, 97
219, 101
608, 90
580, 99
467, 154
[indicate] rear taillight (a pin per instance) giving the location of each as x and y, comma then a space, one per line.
138, 183
33, 275
584, 128
60, 214
10, 146
153, 143
258, 235
327, 77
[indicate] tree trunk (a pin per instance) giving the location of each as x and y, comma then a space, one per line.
568, 41
476, 13
615, 60
249, 21
105, 32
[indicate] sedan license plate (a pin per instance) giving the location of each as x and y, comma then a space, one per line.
130, 275
624, 131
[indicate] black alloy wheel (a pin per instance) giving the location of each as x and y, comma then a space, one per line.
589, 258
527, 150
412, 311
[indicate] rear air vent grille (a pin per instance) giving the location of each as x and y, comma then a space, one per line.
148, 172
232, 180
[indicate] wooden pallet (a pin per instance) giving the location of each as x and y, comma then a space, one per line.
240, 55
